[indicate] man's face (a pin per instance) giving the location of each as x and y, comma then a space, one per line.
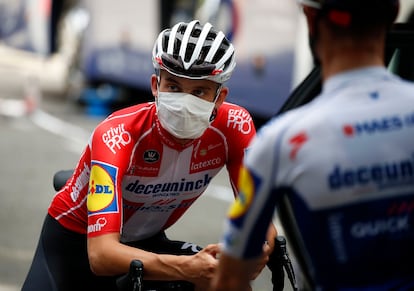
177, 123
204, 89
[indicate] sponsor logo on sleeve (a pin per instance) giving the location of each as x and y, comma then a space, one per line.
116, 138
98, 225
81, 181
239, 119
102, 193
245, 197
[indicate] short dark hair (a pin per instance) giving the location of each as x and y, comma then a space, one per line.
361, 14
359, 18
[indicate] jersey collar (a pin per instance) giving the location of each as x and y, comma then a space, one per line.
345, 79
169, 140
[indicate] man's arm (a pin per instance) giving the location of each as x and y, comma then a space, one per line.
236, 274
268, 249
107, 256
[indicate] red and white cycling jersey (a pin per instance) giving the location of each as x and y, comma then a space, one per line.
133, 178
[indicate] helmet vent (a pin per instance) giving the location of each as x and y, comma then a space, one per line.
189, 51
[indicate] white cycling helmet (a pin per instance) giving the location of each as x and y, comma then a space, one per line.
193, 51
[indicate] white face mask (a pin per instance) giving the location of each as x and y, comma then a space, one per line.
183, 115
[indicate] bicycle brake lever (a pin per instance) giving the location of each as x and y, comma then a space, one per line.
284, 256
136, 269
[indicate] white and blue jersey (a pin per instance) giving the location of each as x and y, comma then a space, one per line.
346, 160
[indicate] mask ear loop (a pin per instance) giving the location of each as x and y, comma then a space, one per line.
158, 88
214, 113
158, 82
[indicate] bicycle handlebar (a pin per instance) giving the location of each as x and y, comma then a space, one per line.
133, 281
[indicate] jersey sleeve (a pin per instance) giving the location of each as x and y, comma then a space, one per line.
111, 146
240, 132
252, 211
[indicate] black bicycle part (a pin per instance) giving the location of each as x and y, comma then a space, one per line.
167, 286
279, 263
132, 281
60, 178
280, 244
276, 268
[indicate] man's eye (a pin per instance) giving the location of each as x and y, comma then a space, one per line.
199, 93
172, 88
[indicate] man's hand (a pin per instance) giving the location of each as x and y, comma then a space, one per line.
262, 261
234, 274
201, 267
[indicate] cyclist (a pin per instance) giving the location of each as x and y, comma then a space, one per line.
143, 167
344, 161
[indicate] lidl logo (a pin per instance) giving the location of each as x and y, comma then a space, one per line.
102, 194
246, 192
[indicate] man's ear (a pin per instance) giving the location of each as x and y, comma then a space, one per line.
310, 14
222, 96
154, 85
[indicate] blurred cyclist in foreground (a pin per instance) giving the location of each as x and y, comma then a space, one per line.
143, 168
345, 162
